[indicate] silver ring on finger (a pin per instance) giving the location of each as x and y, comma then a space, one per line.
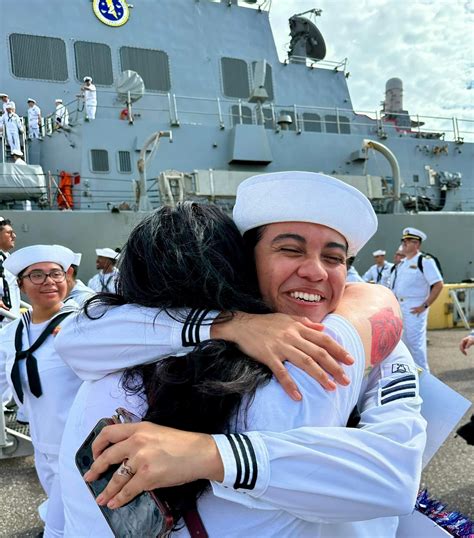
125, 469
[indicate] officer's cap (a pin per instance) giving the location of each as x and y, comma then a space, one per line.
107, 253
413, 233
305, 197
87, 79
379, 253
31, 100
2, 95
58, 100
23, 258
17, 152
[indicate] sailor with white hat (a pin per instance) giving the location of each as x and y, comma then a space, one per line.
417, 285
90, 97
17, 155
34, 119
40, 379
12, 126
61, 115
77, 290
379, 273
295, 214
105, 280
6, 100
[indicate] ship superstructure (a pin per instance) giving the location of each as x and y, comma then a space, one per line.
212, 80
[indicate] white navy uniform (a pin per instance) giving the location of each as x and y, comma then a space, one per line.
312, 464
104, 282
79, 294
12, 288
90, 98
12, 127
412, 288
34, 114
379, 275
12, 103
48, 412
353, 275
62, 115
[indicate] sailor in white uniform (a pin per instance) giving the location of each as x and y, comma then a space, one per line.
17, 155
5, 101
366, 470
40, 379
417, 284
78, 292
379, 273
34, 119
12, 127
105, 280
90, 98
62, 114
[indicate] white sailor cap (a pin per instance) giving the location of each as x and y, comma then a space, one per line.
17, 152
379, 253
107, 253
9, 104
306, 197
58, 100
24, 257
413, 233
77, 259
30, 100
87, 79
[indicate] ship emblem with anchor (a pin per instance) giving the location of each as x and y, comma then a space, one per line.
111, 12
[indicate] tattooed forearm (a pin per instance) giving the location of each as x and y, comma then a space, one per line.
386, 333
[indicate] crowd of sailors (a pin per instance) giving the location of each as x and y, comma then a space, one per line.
13, 126
275, 398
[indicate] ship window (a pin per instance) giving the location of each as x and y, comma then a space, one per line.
38, 57
125, 163
332, 127
151, 65
99, 160
94, 60
235, 78
416, 178
268, 118
312, 122
268, 80
292, 126
246, 117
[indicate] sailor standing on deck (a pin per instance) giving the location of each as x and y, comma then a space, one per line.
40, 379
12, 126
417, 285
105, 280
379, 273
34, 119
90, 98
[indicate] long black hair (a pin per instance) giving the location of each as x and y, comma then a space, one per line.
190, 257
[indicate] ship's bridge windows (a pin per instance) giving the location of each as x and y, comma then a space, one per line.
38, 57
94, 60
99, 160
312, 122
241, 114
235, 78
124, 162
337, 124
151, 65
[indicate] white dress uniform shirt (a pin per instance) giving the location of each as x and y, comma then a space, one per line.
353, 275
12, 127
80, 293
104, 282
379, 275
14, 290
90, 98
47, 413
385, 456
12, 103
34, 114
412, 288
62, 115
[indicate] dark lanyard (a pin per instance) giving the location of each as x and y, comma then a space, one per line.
31, 362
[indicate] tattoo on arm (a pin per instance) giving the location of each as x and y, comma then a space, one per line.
386, 333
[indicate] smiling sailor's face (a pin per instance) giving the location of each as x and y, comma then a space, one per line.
301, 268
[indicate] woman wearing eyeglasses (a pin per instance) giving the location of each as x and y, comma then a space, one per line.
29, 365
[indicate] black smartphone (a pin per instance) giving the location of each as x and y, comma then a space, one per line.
145, 515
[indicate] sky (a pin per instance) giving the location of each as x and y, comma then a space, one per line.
429, 44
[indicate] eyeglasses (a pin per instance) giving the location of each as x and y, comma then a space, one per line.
38, 277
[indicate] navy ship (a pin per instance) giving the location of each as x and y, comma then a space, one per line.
205, 75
